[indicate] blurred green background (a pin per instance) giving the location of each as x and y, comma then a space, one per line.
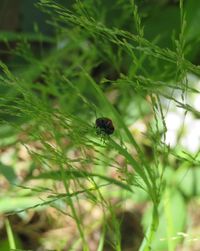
63, 68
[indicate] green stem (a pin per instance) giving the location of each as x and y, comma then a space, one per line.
73, 210
146, 244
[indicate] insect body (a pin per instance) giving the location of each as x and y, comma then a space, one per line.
104, 126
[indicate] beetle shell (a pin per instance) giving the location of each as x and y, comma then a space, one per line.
105, 125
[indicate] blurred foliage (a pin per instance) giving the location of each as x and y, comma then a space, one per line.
65, 63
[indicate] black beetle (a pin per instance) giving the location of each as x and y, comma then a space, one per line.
104, 126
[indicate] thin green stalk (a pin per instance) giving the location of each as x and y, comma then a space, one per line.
169, 220
11, 239
102, 239
147, 241
74, 214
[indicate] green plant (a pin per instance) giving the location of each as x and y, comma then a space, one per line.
99, 66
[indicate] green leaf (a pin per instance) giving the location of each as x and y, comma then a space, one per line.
8, 173
8, 203
188, 181
172, 221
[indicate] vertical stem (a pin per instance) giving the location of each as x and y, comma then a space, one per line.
146, 244
73, 210
11, 239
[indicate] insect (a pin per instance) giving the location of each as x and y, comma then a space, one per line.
104, 126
